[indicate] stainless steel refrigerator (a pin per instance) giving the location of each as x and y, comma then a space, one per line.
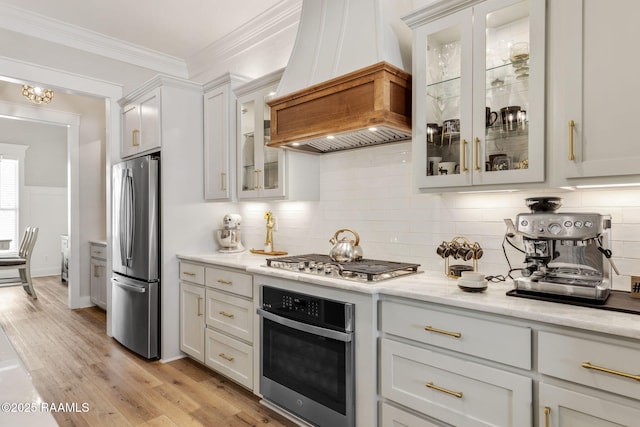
135, 285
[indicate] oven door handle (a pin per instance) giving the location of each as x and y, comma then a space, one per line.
304, 327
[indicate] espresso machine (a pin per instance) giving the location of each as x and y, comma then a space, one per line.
229, 237
566, 254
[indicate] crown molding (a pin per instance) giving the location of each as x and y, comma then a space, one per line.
157, 82
34, 25
282, 16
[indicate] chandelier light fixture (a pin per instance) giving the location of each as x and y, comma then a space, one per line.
37, 95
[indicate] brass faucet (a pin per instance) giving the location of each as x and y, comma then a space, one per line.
268, 244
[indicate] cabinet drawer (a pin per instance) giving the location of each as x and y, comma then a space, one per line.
230, 281
98, 251
492, 340
396, 417
566, 357
192, 273
230, 314
229, 357
454, 390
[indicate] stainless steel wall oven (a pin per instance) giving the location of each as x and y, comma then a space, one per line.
307, 356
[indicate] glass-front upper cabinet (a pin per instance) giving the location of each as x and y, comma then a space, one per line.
478, 93
260, 168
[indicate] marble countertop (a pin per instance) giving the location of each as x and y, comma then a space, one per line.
21, 403
436, 288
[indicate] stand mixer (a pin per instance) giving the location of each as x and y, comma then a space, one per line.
229, 237
565, 253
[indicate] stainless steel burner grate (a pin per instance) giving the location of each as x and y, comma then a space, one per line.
366, 270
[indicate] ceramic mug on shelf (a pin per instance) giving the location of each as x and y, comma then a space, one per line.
447, 168
509, 117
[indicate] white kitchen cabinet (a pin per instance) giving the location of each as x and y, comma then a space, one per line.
593, 84
562, 407
230, 357
478, 90
192, 312
98, 282
453, 390
431, 374
392, 416
217, 319
268, 172
604, 365
220, 137
150, 120
452, 330
230, 314
141, 124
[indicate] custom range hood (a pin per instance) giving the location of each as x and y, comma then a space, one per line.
345, 86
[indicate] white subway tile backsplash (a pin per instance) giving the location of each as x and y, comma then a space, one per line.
371, 191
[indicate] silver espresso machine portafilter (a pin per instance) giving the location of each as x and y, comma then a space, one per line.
566, 254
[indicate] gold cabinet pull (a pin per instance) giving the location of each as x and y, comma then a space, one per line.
572, 125
223, 181
464, 167
224, 282
199, 302
443, 332
547, 412
588, 365
188, 273
476, 149
225, 314
225, 357
134, 135
457, 394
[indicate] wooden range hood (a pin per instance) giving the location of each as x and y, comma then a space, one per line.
365, 107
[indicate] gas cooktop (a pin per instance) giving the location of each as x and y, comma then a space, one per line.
365, 270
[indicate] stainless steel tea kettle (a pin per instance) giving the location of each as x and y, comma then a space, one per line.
345, 250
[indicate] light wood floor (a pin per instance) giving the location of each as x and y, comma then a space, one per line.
72, 360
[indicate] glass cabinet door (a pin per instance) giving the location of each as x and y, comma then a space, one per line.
261, 168
479, 95
508, 140
271, 169
246, 151
447, 112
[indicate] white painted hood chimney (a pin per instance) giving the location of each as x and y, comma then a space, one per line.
337, 44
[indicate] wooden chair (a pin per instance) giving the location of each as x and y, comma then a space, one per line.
21, 263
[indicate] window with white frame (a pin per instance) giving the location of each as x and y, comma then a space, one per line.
11, 185
9, 192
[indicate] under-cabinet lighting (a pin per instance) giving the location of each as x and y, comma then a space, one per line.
636, 184
373, 129
488, 191
295, 144
330, 137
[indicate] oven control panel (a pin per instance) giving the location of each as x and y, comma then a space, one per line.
322, 312
308, 306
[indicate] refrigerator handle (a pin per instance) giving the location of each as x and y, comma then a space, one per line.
123, 219
131, 217
131, 288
